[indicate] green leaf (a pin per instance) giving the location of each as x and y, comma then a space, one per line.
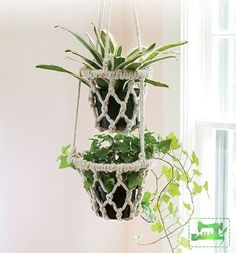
128, 61
99, 40
118, 51
117, 61
112, 42
90, 48
93, 64
195, 159
146, 198
178, 250
168, 172
173, 189
184, 242
171, 208
187, 206
65, 149
197, 172
63, 162
60, 69
205, 186
164, 146
157, 227
166, 198
147, 213
174, 141
148, 63
134, 180
89, 179
196, 188
163, 48
156, 83
53, 68
133, 66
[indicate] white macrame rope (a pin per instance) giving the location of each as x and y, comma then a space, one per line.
136, 23
76, 114
100, 18
141, 127
108, 24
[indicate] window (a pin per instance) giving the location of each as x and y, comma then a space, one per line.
209, 102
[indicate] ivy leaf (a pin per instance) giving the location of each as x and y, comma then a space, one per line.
195, 159
89, 179
147, 213
174, 141
63, 164
197, 172
65, 149
157, 227
134, 180
171, 208
146, 198
196, 188
187, 206
168, 172
184, 242
164, 146
173, 189
205, 186
178, 250
166, 198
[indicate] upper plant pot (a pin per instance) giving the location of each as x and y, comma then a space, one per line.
116, 107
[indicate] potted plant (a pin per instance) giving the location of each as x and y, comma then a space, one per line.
115, 193
114, 79
119, 194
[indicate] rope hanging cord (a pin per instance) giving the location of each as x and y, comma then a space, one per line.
76, 115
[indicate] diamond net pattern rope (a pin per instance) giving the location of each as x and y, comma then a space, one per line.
126, 102
121, 203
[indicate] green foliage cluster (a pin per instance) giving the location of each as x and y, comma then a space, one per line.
135, 60
120, 148
108, 149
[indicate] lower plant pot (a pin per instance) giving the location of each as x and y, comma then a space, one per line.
118, 202
115, 190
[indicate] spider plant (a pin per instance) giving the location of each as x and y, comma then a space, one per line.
136, 59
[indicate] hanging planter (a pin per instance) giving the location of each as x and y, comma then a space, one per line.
114, 173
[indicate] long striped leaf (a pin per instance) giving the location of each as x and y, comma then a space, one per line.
112, 42
60, 69
156, 83
148, 63
163, 48
129, 61
91, 63
133, 66
99, 40
90, 48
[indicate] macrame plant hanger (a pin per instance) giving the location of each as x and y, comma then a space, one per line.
100, 204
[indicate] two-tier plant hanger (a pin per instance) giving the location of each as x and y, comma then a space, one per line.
119, 108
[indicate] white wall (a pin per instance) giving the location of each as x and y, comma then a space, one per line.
42, 209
